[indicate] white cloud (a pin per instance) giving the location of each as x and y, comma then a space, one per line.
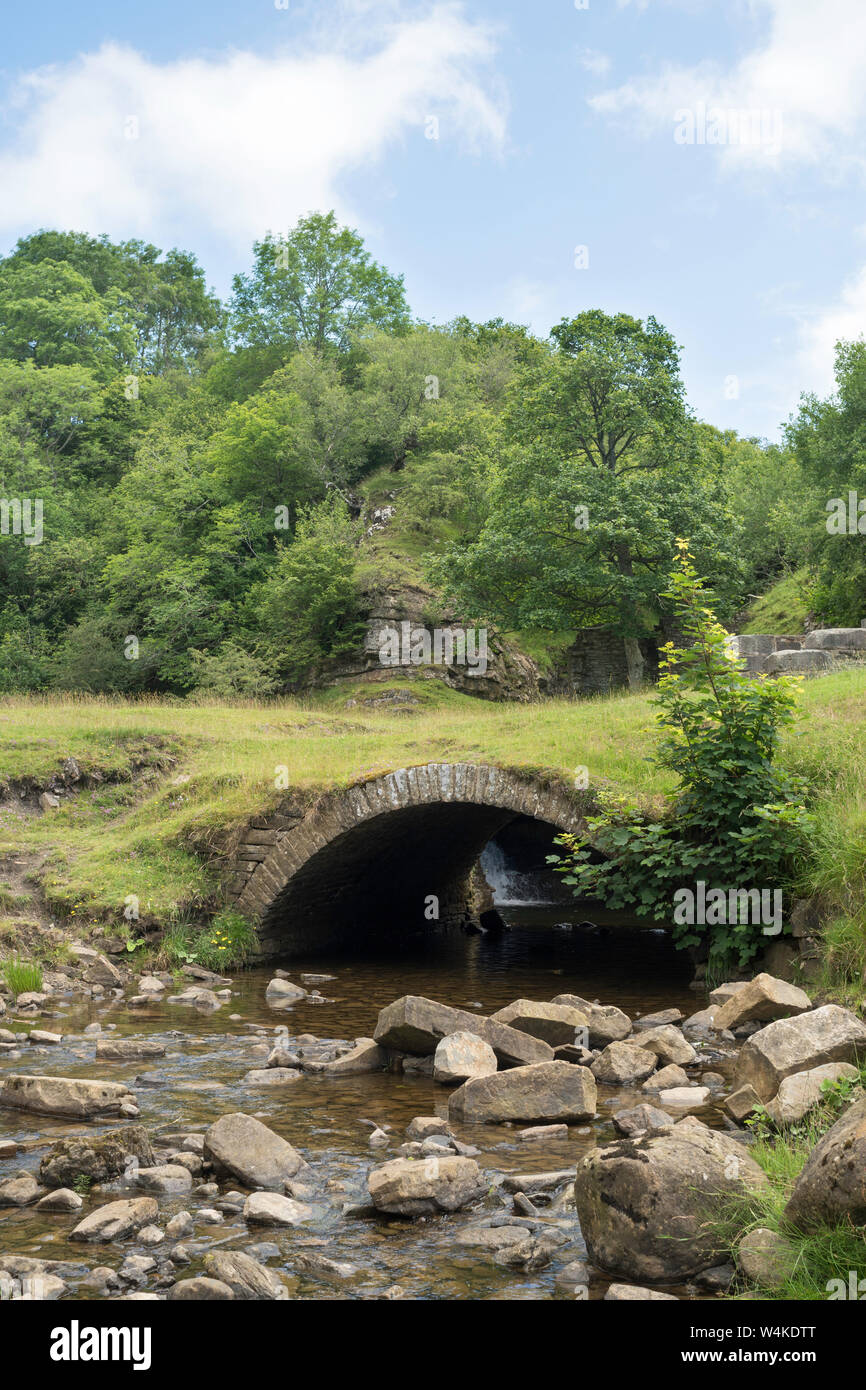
240, 141
819, 334
808, 64
592, 61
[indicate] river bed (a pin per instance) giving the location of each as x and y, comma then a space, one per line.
329, 1119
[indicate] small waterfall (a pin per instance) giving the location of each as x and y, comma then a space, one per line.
511, 887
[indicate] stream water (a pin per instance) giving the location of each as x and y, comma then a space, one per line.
543, 954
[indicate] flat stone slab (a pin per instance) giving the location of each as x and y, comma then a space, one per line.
63, 1095
417, 1025
546, 1091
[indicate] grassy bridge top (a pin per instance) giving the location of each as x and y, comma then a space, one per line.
164, 784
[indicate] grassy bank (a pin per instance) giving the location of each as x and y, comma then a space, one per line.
177, 777
815, 1257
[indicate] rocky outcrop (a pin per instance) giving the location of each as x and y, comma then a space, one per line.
605, 1022
832, 1186
643, 1204
828, 1034
546, 1091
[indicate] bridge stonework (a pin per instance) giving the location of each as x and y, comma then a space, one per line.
371, 855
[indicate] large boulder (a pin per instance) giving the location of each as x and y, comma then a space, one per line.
760, 1001
116, 1220
643, 1203
243, 1147
624, 1064
606, 1023
800, 1093
546, 1091
99, 1158
828, 1034
63, 1095
832, 1186
461, 1056
20, 1191
417, 1025
556, 1024
409, 1187
668, 1044
246, 1278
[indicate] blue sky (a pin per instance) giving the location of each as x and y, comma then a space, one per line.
204, 123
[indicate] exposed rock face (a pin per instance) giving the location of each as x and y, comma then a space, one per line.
556, 1024
761, 1000
61, 1095
624, 1064
832, 1186
607, 1024
242, 1146
642, 1203
99, 1158
406, 1187
127, 1049
418, 1025
461, 1056
116, 1220
246, 1278
800, 1093
546, 1091
828, 1034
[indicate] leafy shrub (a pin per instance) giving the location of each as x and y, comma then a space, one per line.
735, 820
226, 944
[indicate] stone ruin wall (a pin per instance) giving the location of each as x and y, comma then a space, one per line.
811, 654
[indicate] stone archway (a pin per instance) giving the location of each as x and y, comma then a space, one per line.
376, 853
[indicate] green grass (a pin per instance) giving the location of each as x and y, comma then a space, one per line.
225, 944
22, 976
185, 776
820, 1255
783, 609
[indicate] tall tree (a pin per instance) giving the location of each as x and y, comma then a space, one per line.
318, 285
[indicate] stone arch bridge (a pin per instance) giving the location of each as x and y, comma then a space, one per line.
370, 857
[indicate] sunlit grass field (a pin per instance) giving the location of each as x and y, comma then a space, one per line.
179, 776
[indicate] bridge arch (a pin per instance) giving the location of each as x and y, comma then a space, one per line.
371, 857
